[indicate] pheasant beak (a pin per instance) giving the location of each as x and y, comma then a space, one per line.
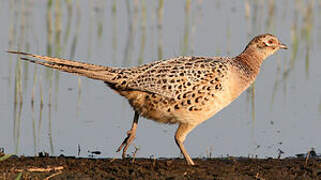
283, 46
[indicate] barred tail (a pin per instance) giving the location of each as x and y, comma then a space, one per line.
92, 71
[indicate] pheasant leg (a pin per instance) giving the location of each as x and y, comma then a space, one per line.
131, 135
181, 133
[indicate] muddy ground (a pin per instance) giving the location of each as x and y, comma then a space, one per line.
216, 168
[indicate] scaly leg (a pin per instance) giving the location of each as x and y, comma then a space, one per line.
131, 134
180, 135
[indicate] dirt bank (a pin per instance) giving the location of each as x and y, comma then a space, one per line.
217, 168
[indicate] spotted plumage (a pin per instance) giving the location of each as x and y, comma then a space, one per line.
182, 90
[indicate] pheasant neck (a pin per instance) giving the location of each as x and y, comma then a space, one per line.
251, 60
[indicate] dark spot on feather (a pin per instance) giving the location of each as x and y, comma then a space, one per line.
184, 95
179, 97
189, 101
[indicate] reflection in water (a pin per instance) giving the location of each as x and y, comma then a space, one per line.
54, 32
160, 14
36, 130
307, 27
49, 32
99, 10
22, 38
18, 101
79, 97
33, 97
270, 26
50, 129
253, 114
18, 91
197, 19
49, 72
58, 29
132, 23
49, 110
25, 22
33, 116
276, 83
90, 27
12, 34
287, 68
114, 31
247, 8
73, 50
143, 33
40, 111
295, 40
76, 33
228, 39
186, 28
68, 25
16, 125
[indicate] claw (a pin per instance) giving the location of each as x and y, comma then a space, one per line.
131, 135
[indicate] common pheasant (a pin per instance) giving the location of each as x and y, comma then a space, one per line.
182, 90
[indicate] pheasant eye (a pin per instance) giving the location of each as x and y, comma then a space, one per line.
271, 41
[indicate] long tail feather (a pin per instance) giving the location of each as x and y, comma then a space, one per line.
70, 69
98, 72
64, 61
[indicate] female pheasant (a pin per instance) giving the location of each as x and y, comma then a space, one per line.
182, 90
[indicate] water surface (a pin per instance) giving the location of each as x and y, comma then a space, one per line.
45, 110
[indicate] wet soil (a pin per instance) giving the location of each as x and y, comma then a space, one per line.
216, 168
